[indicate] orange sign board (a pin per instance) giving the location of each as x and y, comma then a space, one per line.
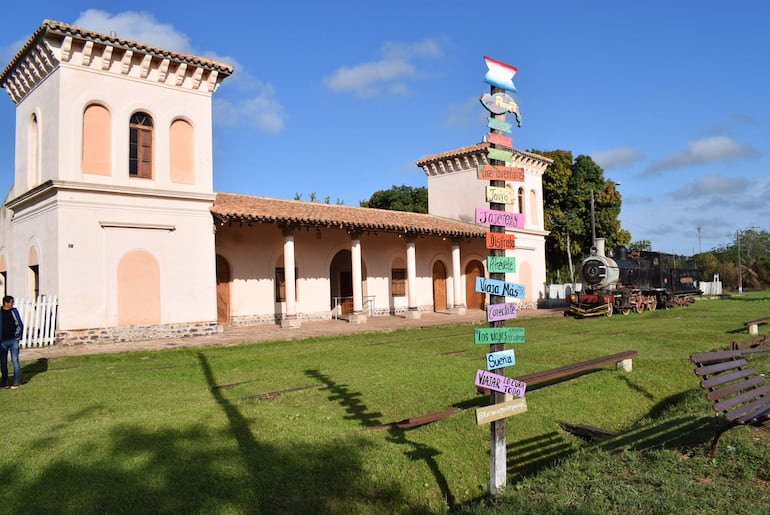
500, 240
500, 173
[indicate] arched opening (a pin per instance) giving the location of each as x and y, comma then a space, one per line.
138, 289
224, 279
182, 155
473, 299
33, 270
439, 286
341, 282
97, 140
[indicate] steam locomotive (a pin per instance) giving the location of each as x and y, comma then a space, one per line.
635, 280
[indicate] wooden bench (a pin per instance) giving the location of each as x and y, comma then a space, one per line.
620, 360
734, 389
753, 325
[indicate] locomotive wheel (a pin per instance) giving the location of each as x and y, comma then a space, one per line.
625, 311
653, 305
639, 307
609, 310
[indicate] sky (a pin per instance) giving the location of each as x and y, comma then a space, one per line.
340, 98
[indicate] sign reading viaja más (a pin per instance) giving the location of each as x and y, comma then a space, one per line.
501, 288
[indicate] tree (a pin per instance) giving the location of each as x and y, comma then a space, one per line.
641, 245
567, 189
399, 198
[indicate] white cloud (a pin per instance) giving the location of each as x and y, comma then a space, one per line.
385, 76
616, 158
705, 150
708, 185
460, 115
141, 27
262, 111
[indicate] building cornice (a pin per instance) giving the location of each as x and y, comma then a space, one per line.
55, 43
472, 156
49, 188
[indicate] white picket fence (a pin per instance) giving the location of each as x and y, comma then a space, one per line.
39, 317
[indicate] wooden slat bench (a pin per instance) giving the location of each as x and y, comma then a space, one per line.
753, 325
734, 389
621, 360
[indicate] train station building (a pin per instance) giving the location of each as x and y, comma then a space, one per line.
113, 212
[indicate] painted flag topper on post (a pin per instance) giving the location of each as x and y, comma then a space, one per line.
500, 74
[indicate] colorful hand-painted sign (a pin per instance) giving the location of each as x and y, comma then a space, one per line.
501, 264
495, 217
499, 103
499, 173
501, 241
500, 383
501, 410
497, 312
501, 288
495, 335
499, 139
499, 124
500, 74
501, 359
500, 195
500, 155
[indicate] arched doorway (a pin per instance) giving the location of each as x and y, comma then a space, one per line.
341, 282
439, 286
473, 299
223, 290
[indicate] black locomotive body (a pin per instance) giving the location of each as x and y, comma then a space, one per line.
628, 281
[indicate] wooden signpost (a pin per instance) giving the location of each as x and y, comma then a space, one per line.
500, 152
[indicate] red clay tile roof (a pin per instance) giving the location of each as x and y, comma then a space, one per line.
57, 27
248, 208
475, 149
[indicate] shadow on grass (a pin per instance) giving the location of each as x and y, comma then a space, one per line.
30, 370
215, 467
676, 422
417, 451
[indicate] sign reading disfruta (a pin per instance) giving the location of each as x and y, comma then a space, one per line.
497, 312
495, 335
501, 264
500, 240
504, 358
500, 383
494, 217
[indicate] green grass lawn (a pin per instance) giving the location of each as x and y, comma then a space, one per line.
303, 426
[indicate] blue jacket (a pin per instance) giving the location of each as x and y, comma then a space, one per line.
19, 325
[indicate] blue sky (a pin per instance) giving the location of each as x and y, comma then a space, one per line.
340, 98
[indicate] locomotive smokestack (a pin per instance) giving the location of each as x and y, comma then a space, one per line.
599, 246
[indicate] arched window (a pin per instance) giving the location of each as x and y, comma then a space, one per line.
97, 140
520, 200
140, 146
533, 205
182, 163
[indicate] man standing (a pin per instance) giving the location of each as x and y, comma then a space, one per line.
11, 329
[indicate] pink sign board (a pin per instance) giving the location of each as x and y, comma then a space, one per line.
494, 217
496, 312
499, 139
500, 383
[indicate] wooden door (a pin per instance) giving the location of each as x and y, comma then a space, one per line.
473, 299
439, 287
223, 291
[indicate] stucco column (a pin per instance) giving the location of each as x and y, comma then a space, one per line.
358, 316
458, 304
290, 319
411, 276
